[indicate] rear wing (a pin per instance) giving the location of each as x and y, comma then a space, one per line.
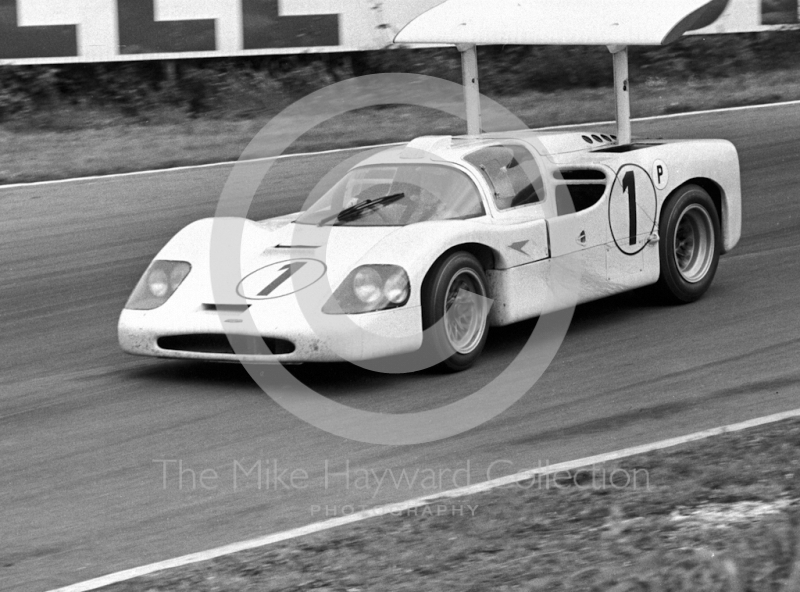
613, 23
560, 22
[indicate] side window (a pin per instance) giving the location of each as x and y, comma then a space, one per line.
512, 174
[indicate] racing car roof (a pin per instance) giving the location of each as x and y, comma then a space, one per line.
560, 22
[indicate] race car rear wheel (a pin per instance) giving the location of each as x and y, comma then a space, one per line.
454, 311
690, 244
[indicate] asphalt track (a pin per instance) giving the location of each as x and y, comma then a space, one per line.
81, 424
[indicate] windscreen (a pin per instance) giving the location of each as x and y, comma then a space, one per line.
396, 195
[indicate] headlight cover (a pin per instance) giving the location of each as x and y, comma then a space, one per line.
370, 288
158, 283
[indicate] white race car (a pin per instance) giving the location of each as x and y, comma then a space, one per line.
423, 247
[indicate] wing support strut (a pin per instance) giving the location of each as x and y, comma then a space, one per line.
622, 93
472, 93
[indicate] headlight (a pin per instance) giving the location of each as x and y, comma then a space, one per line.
370, 288
397, 288
367, 285
158, 283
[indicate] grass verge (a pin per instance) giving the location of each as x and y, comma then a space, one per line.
116, 145
722, 514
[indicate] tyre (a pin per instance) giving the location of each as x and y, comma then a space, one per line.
454, 319
690, 244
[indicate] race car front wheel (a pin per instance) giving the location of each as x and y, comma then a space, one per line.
455, 310
690, 244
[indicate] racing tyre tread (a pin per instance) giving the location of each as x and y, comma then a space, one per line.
439, 288
690, 244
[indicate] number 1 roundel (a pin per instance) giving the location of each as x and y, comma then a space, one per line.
281, 279
632, 209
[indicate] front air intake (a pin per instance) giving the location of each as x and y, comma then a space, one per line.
214, 343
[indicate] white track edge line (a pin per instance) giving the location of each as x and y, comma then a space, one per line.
675, 115
398, 507
353, 148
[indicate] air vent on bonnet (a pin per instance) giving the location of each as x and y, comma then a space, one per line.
296, 247
578, 189
240, 308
